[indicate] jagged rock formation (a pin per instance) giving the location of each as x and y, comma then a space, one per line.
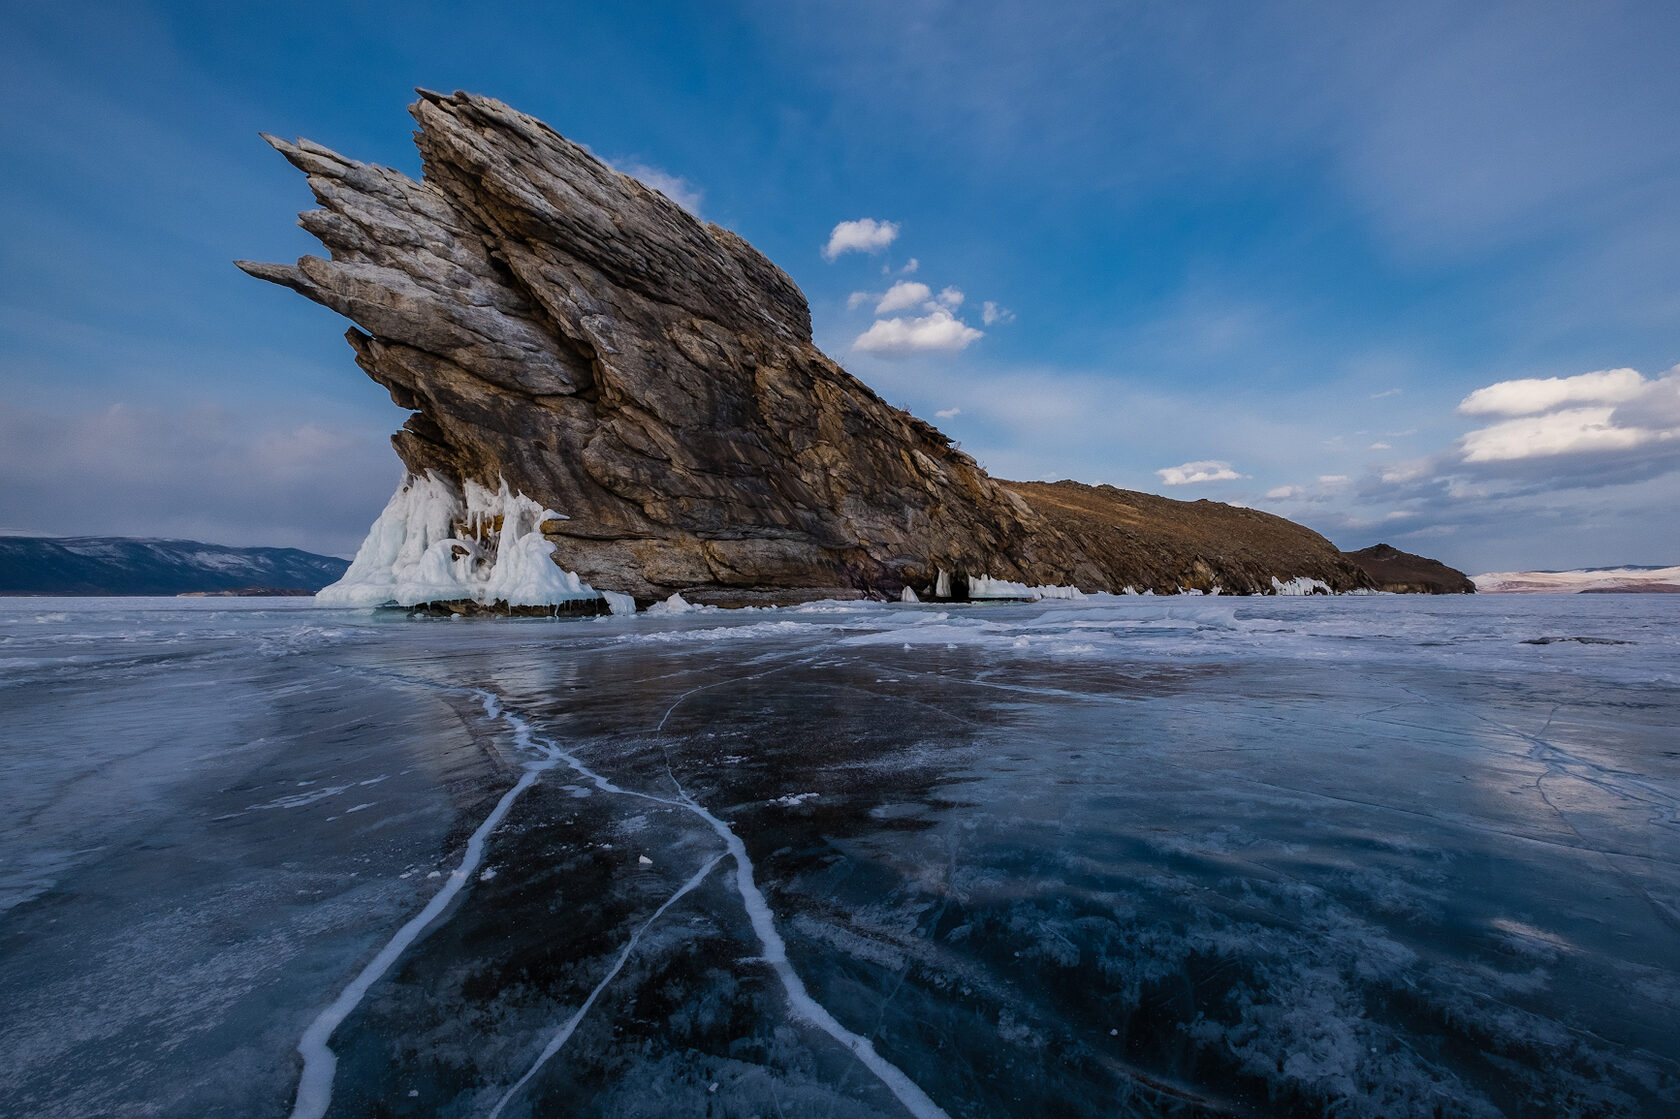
561, 327
1404, 573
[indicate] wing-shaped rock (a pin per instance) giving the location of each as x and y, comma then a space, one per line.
559, 326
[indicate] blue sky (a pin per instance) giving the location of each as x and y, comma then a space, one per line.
1270, 254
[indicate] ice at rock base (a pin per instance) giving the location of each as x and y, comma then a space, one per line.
1302, 585
984, 586
413, 554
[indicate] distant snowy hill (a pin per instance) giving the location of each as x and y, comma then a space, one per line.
115, 565
1590, 580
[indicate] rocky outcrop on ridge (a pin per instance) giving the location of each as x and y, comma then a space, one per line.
560, 327
1403, 573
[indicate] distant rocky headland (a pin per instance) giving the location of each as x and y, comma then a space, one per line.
606, 386
1403, 573
121, 565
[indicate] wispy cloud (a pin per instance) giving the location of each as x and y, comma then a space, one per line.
674, 187
208, 474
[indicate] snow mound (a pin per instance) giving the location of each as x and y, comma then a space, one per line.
437, 543
677, 604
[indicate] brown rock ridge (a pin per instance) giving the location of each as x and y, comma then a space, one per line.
559, 325
1404, 573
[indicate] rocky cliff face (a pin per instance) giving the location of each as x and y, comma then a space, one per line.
562, 328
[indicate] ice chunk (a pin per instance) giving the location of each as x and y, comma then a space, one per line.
619, 603
676, 604
908, 595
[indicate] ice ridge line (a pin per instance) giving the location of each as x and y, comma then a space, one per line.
564, 1034
908, 1092
320, 1064
804, 1007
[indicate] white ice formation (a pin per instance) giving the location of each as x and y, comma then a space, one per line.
437, 543
984, 586
1299, 586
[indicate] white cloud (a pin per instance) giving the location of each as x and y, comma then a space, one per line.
1557, 433
910, 266
948, 413
1534, 395
1384, 394
939, 330
857, 299
951, 298
674, 187
902, 296
1380, 447
1400, 473
866, 235
1191, 473
1333, 479
1602, 413
991, 313
1284, 493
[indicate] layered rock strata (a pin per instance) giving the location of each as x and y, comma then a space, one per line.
561, 329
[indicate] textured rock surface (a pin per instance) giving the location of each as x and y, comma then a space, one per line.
1404, 573
559, 325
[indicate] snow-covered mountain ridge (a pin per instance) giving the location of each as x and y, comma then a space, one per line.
1589, 580
119, 565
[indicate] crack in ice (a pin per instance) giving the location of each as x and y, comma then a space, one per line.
320, 1064
803, 1006
564, 1033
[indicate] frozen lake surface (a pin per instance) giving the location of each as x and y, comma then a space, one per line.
1364, 856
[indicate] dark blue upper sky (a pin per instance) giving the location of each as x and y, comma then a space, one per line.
1258, 253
